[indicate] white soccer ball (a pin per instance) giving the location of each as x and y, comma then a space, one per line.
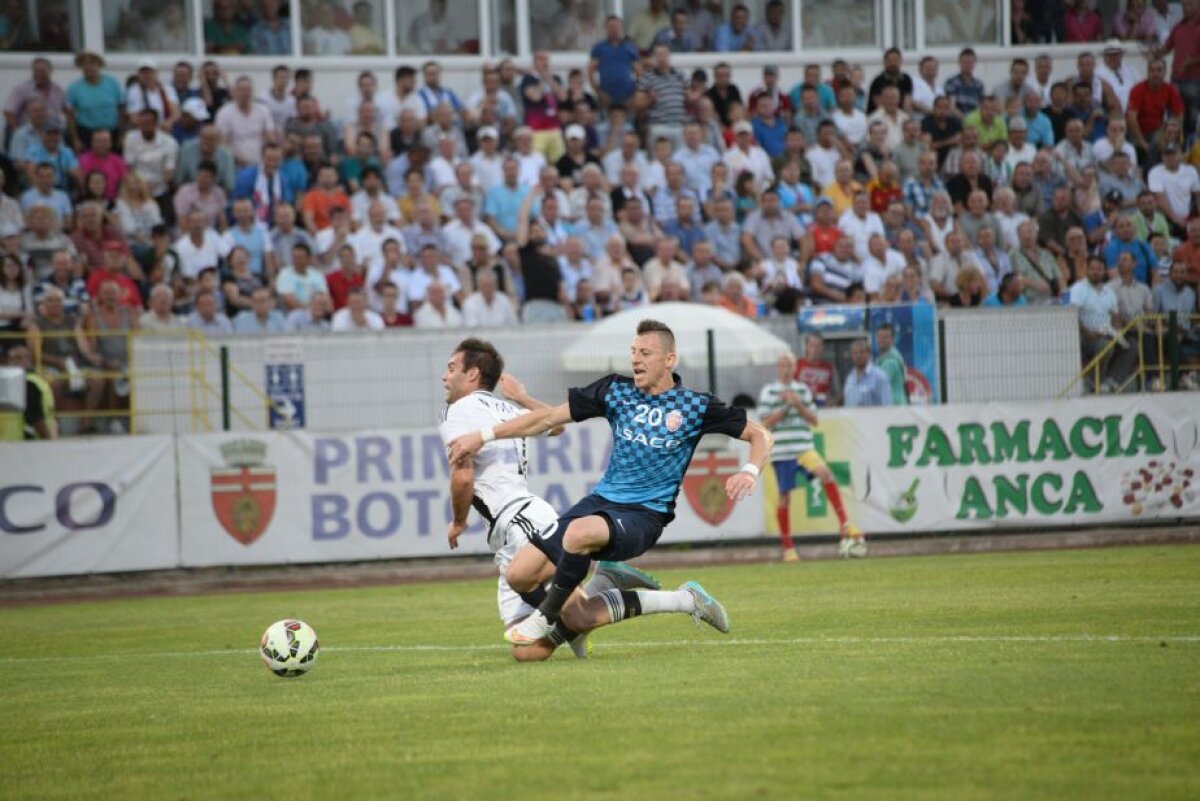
289, 648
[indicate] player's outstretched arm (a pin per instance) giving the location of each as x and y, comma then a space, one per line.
514, 390
741, 483
527, 425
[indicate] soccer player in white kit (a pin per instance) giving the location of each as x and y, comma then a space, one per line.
494, 484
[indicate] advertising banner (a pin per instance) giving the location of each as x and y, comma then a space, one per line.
87, 506
1029, 465
299, 496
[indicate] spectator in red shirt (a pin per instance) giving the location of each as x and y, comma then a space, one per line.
349, 274
1149, 102
117, 265
319, 202
884, 188
1082, 24
824, 230
820, 375
92, 234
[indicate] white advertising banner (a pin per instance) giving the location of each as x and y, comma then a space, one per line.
87, 506
1089, 461
299, 496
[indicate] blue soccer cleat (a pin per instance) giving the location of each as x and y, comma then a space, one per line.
628, 577
708, 608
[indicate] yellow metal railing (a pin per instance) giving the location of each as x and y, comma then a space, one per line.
1167, 356
88, 408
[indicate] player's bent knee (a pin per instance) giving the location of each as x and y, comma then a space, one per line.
823, 475
586, 535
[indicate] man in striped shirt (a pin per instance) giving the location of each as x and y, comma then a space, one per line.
662, 93
789, 410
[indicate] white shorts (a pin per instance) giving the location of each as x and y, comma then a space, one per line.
517, 524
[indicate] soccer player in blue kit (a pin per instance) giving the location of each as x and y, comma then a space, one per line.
656, 423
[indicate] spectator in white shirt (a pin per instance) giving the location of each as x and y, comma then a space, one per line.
153, 154
463, 228
200, 247
880, 264
245, 125
859, 223
356, 316
745, 156
486, 307
436, 311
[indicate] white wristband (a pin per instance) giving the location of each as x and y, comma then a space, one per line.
487, 435
749, 469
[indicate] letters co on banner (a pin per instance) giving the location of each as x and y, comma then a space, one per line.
298, 496
967, 467
87, 506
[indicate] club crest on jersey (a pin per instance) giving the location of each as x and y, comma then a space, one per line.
674, 420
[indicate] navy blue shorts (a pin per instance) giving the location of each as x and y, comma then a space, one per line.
632, 529
787, 471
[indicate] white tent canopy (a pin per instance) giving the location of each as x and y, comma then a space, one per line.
738, 342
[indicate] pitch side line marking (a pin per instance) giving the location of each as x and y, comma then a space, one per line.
931, 640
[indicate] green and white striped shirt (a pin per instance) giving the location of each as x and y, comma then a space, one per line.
793, 435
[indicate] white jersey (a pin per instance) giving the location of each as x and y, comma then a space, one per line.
501, 465
502, 496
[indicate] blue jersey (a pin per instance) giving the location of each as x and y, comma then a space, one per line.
654, 436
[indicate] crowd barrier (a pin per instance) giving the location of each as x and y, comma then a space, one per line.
90, 506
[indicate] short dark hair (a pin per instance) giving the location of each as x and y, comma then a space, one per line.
481, 355
662, 329
404, 71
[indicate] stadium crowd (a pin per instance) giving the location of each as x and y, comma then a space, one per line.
172, 201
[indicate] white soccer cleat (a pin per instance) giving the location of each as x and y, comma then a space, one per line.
581, 646
708, 608
529, 631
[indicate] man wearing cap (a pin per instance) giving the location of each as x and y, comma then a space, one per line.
745, 156
37, 87
193, 114
52, 151
1019, 149
1176, 186
147, 92
93, 102
1149, 103
570, 165
1119, 76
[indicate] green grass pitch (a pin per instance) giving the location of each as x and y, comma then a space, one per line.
1046, 675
